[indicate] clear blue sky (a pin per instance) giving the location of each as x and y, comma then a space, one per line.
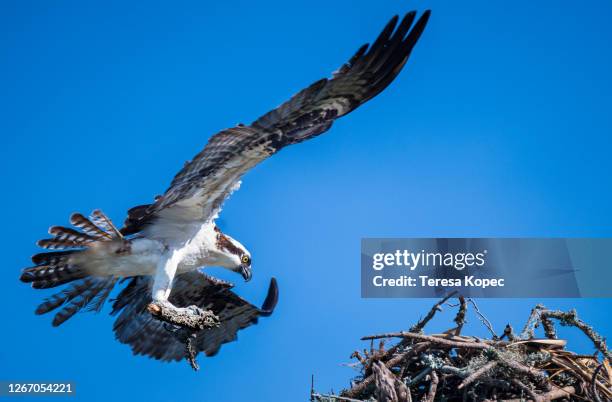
499, 126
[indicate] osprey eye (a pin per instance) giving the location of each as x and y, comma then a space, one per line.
245, 259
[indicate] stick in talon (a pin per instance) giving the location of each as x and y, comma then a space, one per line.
191, 317
188, 338
191, 352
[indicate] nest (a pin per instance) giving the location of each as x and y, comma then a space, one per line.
508, 367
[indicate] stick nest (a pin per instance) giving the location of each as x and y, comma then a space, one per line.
506, 367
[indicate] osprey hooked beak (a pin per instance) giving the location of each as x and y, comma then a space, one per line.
245, 271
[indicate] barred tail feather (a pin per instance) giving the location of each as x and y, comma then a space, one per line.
50, 276
103, 222
55, 244
84, 298
98, 301
55, 268
64, 233
89, 292
81, 222
66, 238
65, 296
52, 258
58, 267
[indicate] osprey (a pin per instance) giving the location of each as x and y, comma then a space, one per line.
163, 245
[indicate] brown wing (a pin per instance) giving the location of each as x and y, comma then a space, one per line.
199, 189
147, 336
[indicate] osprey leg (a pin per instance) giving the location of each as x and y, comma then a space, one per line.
191, 317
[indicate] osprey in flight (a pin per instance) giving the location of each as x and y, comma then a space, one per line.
162, 245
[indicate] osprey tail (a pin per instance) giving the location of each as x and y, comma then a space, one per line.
57, 268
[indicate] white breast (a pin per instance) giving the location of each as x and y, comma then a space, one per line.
196, 252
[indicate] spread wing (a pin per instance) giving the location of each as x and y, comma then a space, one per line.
148, 336
199, 189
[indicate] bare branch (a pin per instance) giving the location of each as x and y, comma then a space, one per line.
418, 327
483, 319
433, 386
476, 374
460, 317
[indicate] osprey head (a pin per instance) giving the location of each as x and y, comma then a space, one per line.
231, 254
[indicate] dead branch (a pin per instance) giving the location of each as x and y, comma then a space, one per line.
483, 319
433, 386
419, 326
476, 374
433, 339
570, 318
460, 317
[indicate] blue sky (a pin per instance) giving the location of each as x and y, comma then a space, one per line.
498, 126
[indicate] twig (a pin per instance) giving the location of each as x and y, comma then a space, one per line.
533, 321
549, 327
191, 352
187, 337
433, 386
476, 374
460, 317
359, 388
432, 339
418, 327
417, 378
483, 319
358, 356
594, 383
536, 374
551, 395
385, 389
526, 389
571, 318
